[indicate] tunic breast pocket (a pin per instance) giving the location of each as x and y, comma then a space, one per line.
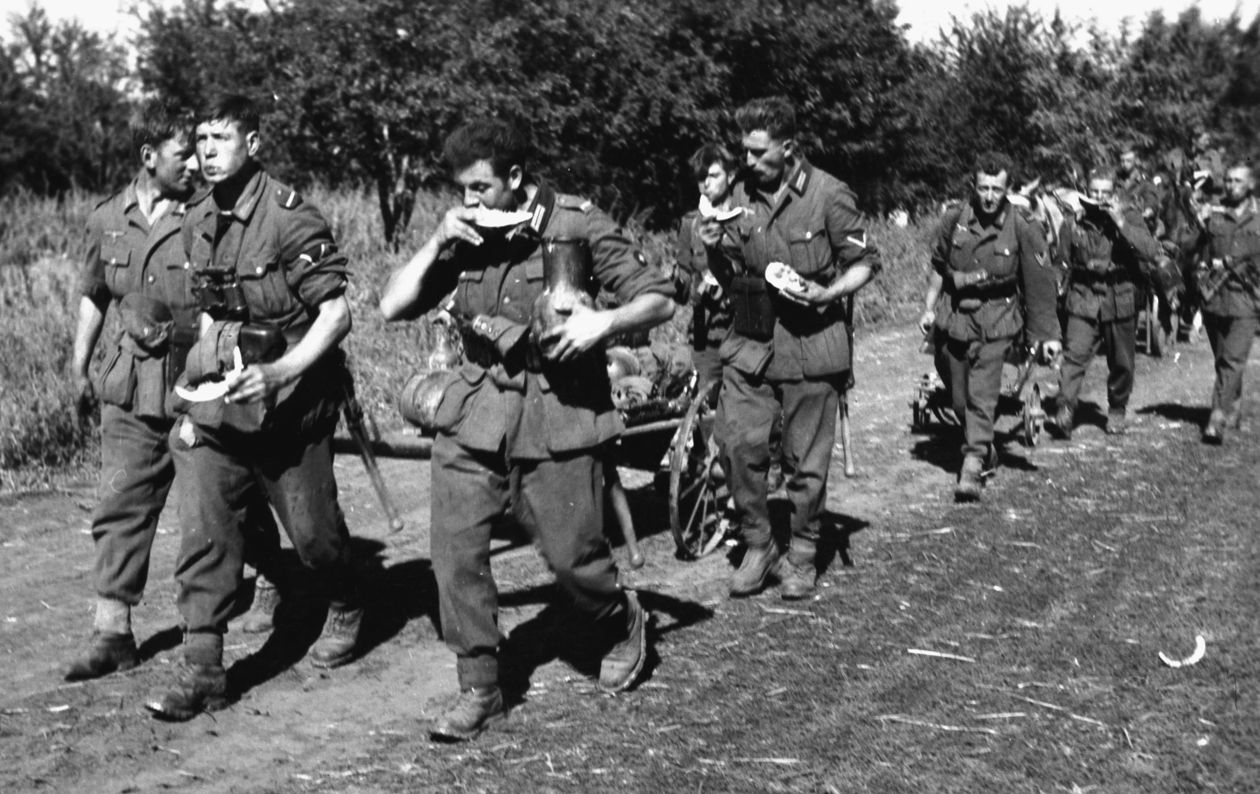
178, 288
115, 259
521, 289
266, 291
810, 250
468, 298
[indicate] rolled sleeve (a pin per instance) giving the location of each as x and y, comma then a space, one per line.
314, 269
619, 266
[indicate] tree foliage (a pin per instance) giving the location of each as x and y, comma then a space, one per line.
618, 95
63, 113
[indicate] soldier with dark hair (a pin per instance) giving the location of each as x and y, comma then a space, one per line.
715, 171
1229, 283
523, 423
789, 350
992, 286
1108, 251
270, 285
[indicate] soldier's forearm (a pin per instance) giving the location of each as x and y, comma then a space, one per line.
87, 333
332, 324
405, 288
849, 282
643, 312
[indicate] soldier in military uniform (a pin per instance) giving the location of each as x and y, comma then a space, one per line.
992, 285
715, 171
270, 284
522, 425
1139, 190
1229, 282
789, 349
1108, 251
135, 261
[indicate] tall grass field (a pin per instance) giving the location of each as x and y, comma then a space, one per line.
41, 248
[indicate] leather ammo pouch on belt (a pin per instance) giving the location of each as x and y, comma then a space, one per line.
753, 309
260, 344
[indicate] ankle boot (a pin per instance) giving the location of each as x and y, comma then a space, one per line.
261, 616
337, 642
758, 563
475, 709
200, 681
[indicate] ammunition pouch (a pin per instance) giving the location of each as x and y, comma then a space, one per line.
147, 322
753, 309
969, 289
522, 354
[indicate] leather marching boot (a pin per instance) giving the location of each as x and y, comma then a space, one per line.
200, 682
261, 616
110, 653
969, 480
113, 646
1063, 420
336, 643
758, 563
1117, 422
623, 664
797, 575
1214, 432
474, 710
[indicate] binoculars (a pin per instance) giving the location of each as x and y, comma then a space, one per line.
219, 295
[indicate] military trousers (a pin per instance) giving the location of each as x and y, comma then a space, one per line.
136, 476
708, 367
218, 473
972, 372
1081, 340
558, 501
747, 411
1231, 339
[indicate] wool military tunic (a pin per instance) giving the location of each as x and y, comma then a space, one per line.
1009, 263
1234, 236
128, 256
532, 408
281, 252
815, 227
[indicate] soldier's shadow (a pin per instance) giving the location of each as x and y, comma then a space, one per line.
834, 534
1176, 412
391, 596
940, 447
560, 632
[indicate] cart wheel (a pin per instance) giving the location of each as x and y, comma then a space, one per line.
1034, 418
695, 510
918, 416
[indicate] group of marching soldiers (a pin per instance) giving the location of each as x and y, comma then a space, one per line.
227, 376
1067, 273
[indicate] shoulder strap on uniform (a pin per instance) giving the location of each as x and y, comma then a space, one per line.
286, 197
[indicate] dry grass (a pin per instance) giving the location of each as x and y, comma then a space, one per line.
42, 238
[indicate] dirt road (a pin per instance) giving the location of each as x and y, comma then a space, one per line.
1083, 561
